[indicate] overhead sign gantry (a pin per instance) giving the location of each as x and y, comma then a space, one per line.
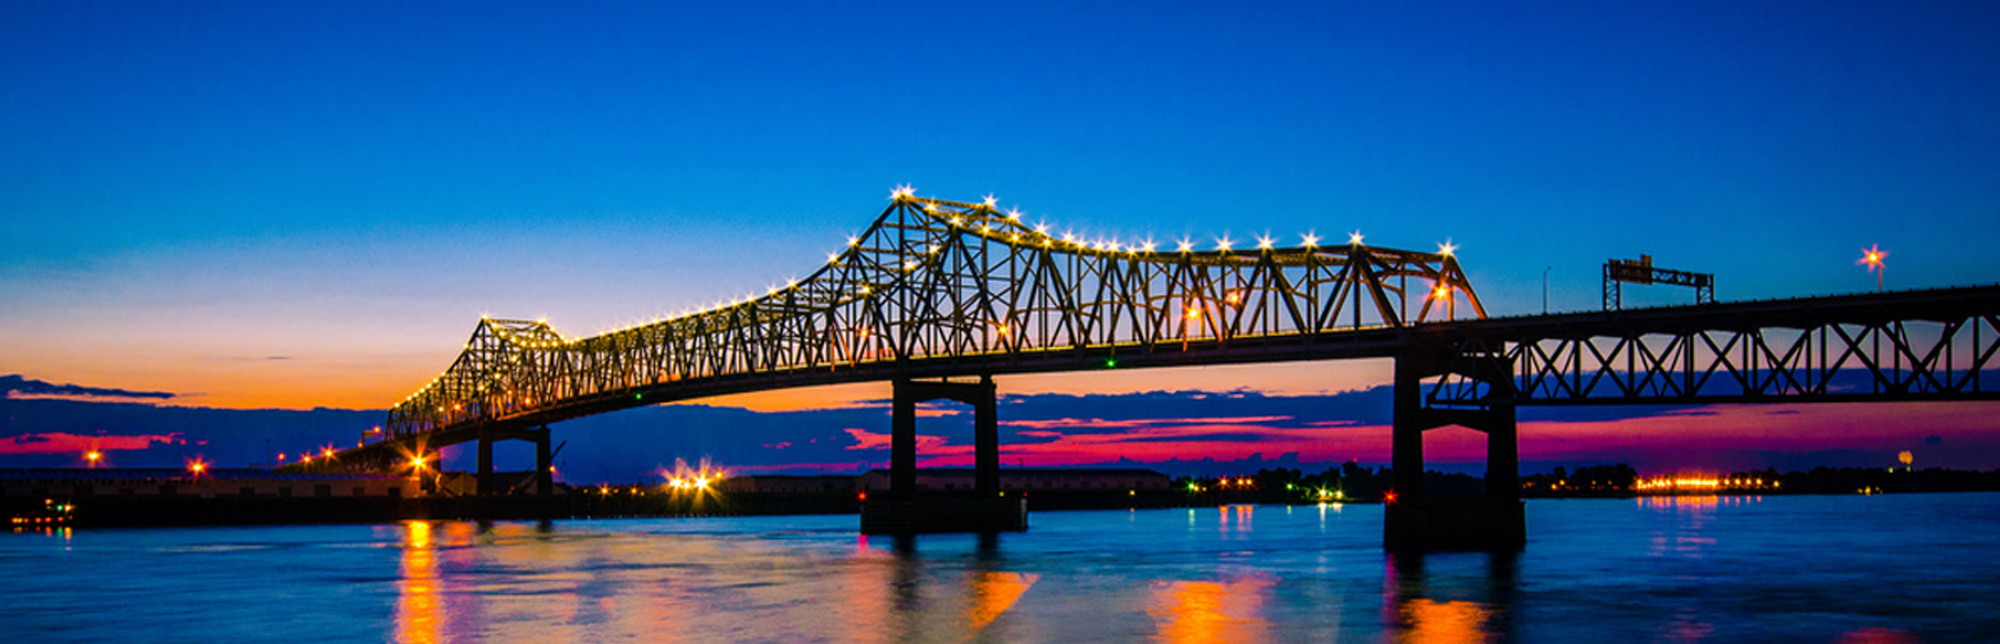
1642, 271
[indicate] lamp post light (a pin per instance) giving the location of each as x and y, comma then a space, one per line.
1872, 258
1545, 289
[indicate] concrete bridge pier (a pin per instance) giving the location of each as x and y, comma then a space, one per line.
544, 477
908, 510
1414, 522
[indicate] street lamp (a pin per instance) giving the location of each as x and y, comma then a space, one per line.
1872, 258
1545, 289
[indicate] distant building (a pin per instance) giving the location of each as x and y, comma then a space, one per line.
213, 483
1029, 479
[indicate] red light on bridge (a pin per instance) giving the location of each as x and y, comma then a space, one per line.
1389, 497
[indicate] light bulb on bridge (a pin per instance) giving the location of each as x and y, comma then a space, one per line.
1872, 257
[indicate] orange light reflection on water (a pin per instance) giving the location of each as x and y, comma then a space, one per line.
1689, 537
1430, 620
1207, 611
1413, 616
1235, 518
992, 593
1690, 503
419, 613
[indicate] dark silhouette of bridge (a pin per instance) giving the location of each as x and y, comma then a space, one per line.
939, 297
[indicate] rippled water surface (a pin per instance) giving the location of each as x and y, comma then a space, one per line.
1900, 568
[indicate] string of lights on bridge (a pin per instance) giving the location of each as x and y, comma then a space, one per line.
989, 205
1012, 231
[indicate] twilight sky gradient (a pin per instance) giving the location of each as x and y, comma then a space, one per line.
292, 205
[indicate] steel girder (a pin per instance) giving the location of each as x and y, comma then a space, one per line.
1911, 346
935, 282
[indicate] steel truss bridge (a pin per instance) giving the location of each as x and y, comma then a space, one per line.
937, 292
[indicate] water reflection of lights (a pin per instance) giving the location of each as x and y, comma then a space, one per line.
1695, 503
1242, 515
865, 587
992, 594
44, 530
419, 613
1430, 620
1207, 611
1414, 615
1689, 539
1322, 513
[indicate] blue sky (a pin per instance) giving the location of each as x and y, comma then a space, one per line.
308, 204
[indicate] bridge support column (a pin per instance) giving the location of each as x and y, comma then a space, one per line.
986, 443
1412, 521
489, 484
545, 479
485, 472
905, 510
1406, 449
1503, 455
903, 440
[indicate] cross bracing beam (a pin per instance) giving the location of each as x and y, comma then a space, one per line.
1931, 345
938, 287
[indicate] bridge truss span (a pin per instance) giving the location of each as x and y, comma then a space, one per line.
948, 288
1910, 346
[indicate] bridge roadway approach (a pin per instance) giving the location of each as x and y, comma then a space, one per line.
940, 297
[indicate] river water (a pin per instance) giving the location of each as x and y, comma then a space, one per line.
1892, 568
